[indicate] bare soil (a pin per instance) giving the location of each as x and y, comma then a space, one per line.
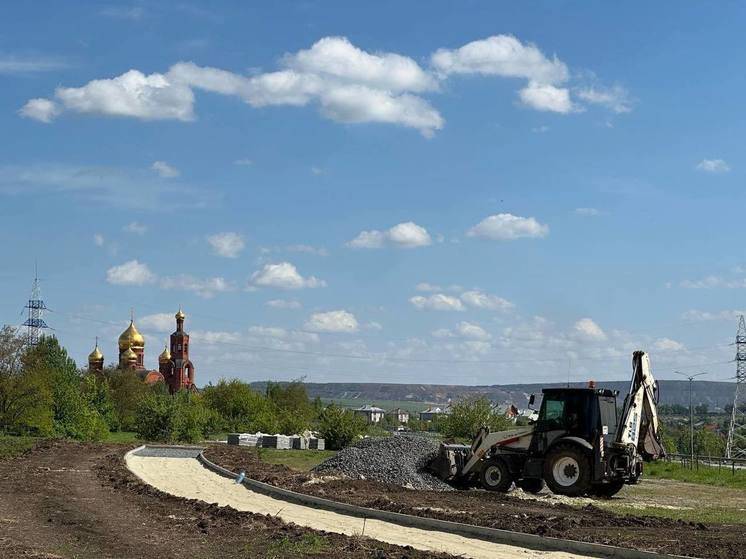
587, 523
71, 500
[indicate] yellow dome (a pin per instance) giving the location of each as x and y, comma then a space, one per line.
95, 355
131, 338
129, 355
164, 357
180, 315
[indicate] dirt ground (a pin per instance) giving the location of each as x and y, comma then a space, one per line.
587, 523
70, 500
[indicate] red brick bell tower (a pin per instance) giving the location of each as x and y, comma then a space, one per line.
179, 373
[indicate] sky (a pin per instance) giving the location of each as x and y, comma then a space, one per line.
459, 193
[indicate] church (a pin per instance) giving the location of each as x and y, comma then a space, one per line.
174, 366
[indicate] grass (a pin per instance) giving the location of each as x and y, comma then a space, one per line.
122, 437
11, 446
307, 544
300, 460
705, 475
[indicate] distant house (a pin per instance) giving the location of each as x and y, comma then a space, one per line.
434, 413
371, 414
399, 415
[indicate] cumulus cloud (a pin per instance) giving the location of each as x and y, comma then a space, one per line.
206, 288
473, 331
586, 328
165, 170
283, 276
615, 98
507, 227
160, 322
713, 166
98, 239
40, 109
546, 97
332, 321
702, 316
501, 55
135, 228
283, 304
403, 235
228, 245
667, 344
437, 302
479, 300
130, 273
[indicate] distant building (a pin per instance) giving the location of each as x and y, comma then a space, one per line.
434, 413
371, 414
399, 415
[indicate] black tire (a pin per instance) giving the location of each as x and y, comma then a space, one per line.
495, 476
607, 490
531, 485
567, 470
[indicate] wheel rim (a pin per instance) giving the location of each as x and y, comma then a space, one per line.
566, 471
492, 475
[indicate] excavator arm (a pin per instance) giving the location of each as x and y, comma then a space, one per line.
638, 425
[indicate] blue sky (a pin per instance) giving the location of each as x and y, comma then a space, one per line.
482, 193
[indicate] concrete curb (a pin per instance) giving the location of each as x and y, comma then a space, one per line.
467, 530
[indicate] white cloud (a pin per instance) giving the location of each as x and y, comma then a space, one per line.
283, 304
501, 55
133, 13
667, 344
587, 212
283, 276
615, 98
308, 249
712, 282
505, 227
713, 166
130, 273
135, 228
206, 288
437, 302
160, 322
477, 346
480, 300
14, 64
428, 287
589, 330
165, 170
228, 245
40, 109
546, 97
473, 331
403, 235
244, 162
98, 239
702, 316
332, 321
282, 334
442, 333
373, 325
133, 94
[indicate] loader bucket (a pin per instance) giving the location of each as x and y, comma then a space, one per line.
449, 461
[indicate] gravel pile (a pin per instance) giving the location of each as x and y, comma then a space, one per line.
400, 459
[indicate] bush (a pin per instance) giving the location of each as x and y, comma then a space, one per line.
182, 417
339, 427
468, 416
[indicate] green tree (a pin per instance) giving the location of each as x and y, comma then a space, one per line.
127, 391
241, 408
98, 394
182, 417
468, 416
25, 397
294, 410
701, 409
339, 427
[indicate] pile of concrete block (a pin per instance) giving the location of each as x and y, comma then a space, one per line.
316, 444
280, 442
246, 439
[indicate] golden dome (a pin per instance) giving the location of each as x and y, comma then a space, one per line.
131, 338
95, 355
164, 357
129, 355
180, 315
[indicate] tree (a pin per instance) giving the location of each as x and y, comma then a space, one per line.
469, 415
127, 391
701, 409
182, 417
294, 409
25, 398
339, 427
241, 408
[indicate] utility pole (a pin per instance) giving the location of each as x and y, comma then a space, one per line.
736, 447
691, 414
36, 307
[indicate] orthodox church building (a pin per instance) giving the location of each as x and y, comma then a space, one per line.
174, 366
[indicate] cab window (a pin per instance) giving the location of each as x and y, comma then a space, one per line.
554, 414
